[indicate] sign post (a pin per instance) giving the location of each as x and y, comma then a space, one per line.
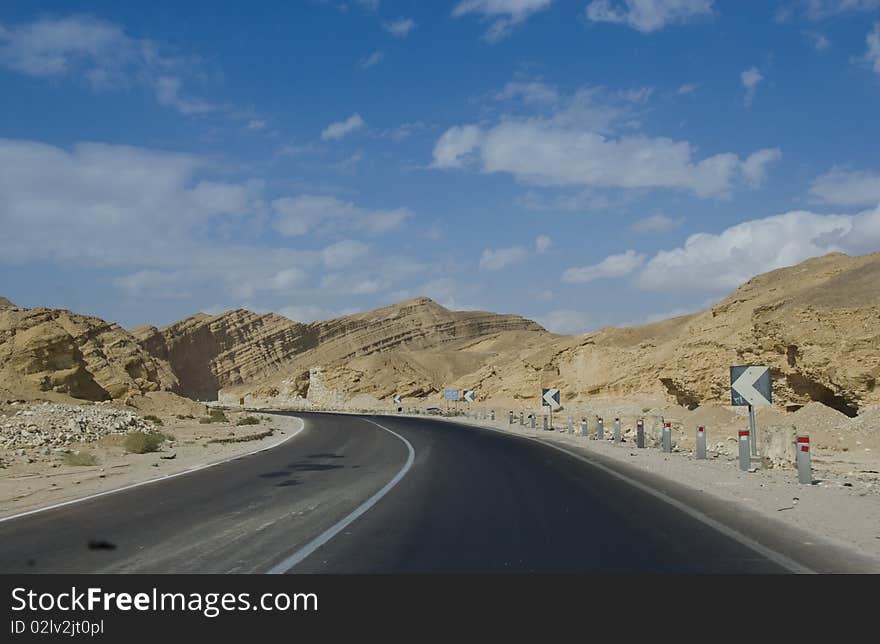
550, 398
450, 394
751, 386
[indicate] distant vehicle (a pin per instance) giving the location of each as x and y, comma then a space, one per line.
434, 410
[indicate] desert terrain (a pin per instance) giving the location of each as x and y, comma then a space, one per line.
73, 387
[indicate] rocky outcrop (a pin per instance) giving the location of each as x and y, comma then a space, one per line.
414, 347
6, 304
208, 352
816, 325
84, 357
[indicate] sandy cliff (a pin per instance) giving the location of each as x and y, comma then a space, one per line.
54, 350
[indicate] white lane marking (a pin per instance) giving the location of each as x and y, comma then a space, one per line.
748, 542
332, 531
155, 480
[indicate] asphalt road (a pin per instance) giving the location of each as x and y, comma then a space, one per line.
397, 495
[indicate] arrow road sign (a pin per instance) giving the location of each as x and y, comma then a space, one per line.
469, 395
450, 394
550, 398
396, 399
750, 386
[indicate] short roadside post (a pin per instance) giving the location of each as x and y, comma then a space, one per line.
522, 419
510, 418
804, 467
701, 442
600, 429
532, 420
493, 414
617, 431
584, 432
546, 426
744, 450
640, 433
569, 426
667, 437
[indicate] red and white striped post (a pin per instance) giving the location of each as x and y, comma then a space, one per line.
804, 467
744, 450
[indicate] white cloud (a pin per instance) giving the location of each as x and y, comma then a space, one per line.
372, 60
587, 141
656, 224
153, 284
754, 168
400, 28
532, 92
687, 88
503, 15
453, 148
309, 313
718, 263
648, 15
369, 5
821, 9
295, 216
343, 254
336, 131
168, 93
847, 187
539, 152
611, 267
496, 259
256, 124
819, 41
566, 321
161, 225
286, 279
543, 243
873, 53
404, 131
585, 200
750, 79
102, 54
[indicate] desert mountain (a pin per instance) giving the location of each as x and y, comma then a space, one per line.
209, 353
6, 304
817, 325
54, 350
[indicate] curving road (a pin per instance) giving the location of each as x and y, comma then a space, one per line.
356, 494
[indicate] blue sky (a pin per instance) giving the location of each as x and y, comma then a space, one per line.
583, 163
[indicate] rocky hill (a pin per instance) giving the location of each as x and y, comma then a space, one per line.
817, 325
6, 304
209, 353
54, 350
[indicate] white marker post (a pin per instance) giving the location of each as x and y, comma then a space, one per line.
640, 433
584, 431
617, 431
744, 451
667, 437
600, 429
804, 467
701, 443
